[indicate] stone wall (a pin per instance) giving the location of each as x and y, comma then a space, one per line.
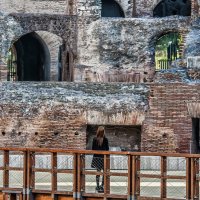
53, 43
121, 50
34, 6
56, 114
62, 28
168, 124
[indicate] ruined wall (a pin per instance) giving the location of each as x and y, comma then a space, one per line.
53, 43
121, 50
192, 40
16, 25
34, 6
168, 124
56, 114
146, 7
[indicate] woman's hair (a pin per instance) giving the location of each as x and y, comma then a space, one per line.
100, 135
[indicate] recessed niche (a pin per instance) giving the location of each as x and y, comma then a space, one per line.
125, 138
76, 133
56, 133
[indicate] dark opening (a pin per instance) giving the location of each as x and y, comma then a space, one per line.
111, 8
172, 7
32, 59
195, 148
121, 138
60, 63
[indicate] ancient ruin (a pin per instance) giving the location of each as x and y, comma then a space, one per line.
67, 66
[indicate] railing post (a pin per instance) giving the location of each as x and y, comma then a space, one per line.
130, 197
79, 177
188, 178
106, 177
135, 177
53, 175
75, 177
30, 175
163, 168
5, 172
25, 162
194, 178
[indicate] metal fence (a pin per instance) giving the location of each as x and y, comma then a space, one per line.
82, 174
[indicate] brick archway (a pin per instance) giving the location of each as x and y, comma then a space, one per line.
61, 29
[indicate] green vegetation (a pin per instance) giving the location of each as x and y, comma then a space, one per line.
167, 50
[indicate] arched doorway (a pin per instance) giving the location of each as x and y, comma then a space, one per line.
172, 7
111, 8
29, 59
167, 50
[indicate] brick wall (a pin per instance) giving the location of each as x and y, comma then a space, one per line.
168, 125
42, 125
56, 114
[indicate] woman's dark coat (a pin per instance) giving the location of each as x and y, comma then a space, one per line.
98, 159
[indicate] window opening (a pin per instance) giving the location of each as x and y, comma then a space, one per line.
28, 59
12, 65
172, 7
195, 144
167, 50
111, 8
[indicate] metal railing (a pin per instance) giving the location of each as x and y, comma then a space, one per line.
26, 173
163, 64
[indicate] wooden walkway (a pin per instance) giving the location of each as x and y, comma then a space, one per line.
47, 174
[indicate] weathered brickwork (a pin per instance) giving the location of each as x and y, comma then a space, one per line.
56, 114
42, 125
168, 124
53, 43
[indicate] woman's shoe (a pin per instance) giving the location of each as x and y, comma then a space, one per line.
101, 189
97, 188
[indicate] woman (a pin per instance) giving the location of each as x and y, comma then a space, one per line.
100, 143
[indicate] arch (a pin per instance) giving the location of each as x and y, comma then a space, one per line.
33, 58
110, 8
53, 43
167, 49
48, 45
172, 7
